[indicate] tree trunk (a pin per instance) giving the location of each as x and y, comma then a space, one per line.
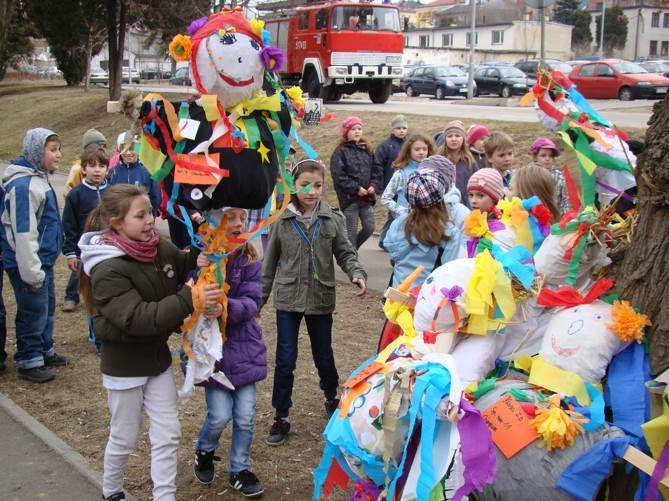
89, 56
116, 25
643, 276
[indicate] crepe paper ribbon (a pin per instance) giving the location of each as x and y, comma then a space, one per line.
658, 472
625, 390
259, 101
583, 477
488, 288
365, 491
568, 296
558, 428
617, 192
572, 190
580, 101
586, 166
558, 381
580, 229
518, 262
478, 451
486, 386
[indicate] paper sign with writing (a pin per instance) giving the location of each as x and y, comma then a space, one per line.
372, 368
510, 426
191, 176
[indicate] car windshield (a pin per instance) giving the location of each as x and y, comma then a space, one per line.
367, 18
560, 66
628, 68
511, 73
448, 71
656, 67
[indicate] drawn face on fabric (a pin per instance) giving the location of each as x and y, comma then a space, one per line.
229, 66
578, 340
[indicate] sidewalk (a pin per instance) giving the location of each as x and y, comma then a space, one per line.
36, 464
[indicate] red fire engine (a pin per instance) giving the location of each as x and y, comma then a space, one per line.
338, 48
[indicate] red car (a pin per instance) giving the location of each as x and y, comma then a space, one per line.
615, 78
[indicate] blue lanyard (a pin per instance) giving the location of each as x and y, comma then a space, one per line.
299, 231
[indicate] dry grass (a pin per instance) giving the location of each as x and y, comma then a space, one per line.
74, 405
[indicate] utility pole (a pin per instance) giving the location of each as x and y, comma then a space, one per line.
601, 31
472, 39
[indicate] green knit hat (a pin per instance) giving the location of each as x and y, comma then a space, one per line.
92, 136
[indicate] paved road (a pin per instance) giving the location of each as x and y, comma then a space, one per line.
623, 114
485, 108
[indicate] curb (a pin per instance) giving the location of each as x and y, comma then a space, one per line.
72, 457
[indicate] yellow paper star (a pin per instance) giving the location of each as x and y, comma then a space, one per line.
263, 150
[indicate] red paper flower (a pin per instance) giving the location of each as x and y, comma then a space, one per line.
542, 214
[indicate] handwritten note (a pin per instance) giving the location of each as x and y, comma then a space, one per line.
191, 176
510, 426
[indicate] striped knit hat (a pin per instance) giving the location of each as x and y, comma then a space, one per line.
488, 181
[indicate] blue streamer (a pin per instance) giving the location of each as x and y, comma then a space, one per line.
311, 153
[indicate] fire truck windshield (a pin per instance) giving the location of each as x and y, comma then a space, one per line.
367, 18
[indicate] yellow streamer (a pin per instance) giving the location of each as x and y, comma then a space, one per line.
488, 286
558, 380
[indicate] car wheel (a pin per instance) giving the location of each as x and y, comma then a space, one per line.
625, 94
410, 92
439, 93
476, 92
506, 91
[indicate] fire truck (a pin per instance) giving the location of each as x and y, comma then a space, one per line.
337, 48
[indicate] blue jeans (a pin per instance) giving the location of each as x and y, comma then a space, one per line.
222, 406
35, 310
319, 328
3, 320
364, 212
71, 292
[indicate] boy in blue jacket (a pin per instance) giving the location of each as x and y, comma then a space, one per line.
131, 171
32, 237
80, 202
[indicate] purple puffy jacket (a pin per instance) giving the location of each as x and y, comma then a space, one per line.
244, 352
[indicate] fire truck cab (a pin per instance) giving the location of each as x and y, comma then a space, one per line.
340, 48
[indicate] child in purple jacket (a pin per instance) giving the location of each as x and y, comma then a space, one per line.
244, 362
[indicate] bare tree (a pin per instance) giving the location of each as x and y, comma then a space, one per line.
643, 276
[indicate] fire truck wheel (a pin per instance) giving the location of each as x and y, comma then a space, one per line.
314, 87
380, 92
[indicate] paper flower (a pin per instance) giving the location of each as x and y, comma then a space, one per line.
557, 427
542, 214
257, 26
181, 48
513, 214
476, 224
273, 58
627, 323
295, 93
195, 26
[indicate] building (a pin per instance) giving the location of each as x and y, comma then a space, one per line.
505, 32
647, 28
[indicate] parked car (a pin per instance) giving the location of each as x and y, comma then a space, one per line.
660, 67
155, 73
531, 66
130, 75
614, 78
506, 81
99, 76
440, 81
181, 77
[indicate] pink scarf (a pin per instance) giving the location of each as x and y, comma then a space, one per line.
144, 252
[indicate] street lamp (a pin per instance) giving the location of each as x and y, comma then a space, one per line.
541, 4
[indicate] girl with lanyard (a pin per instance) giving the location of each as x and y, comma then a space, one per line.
299, 258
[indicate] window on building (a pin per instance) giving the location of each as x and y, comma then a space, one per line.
665, 49
655, 20
406, 41
303, 21
497, 37
599, 6
476, 38
653, 48
665, 21
424, 41
447, 40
